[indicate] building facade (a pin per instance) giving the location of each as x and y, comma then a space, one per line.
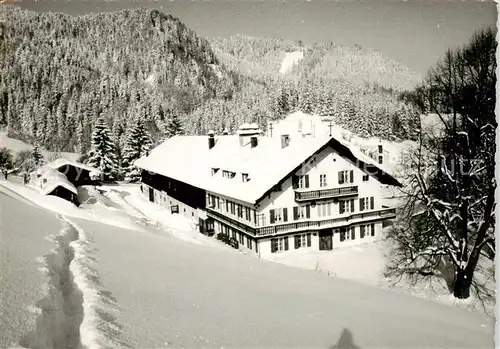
275, 194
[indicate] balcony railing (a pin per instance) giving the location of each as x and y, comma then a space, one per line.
387, 213
325, 193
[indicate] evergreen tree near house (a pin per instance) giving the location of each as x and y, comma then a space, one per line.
37, 156
6, 162
137, 145
102, 154
174, 126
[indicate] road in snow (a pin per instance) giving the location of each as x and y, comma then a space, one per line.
148, 289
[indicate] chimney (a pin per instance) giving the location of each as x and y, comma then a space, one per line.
285, 141
211, 139
253, 141
225, 132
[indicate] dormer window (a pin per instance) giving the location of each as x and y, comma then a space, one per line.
214, 171
244, 177
228, 174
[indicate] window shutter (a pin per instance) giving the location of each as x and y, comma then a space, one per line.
286, 243
341, 177
353, 233
271, 216
361, 204
372, 202
361, 231
352, 205
297, 241
295, 182
307, 180
285, 214
341, 207
351, 175
309, 240
373, 229
274, 243
295, 213
308, 212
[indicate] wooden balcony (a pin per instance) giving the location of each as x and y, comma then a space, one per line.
355, 218
310, 195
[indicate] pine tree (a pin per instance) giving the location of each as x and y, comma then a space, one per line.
138, 145
37, 157
102, 153
174, 126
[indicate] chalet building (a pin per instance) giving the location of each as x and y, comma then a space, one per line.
62, 177
275, 192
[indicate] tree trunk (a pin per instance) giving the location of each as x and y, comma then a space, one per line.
461, 288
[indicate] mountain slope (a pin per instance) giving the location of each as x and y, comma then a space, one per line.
61, 72
358, 88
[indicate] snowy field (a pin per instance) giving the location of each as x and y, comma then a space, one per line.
144, 288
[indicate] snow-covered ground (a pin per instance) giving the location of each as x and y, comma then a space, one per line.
291, 58
23, 243
144, 288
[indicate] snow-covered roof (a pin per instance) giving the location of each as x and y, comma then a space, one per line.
63, 162
53, 184
54, 179
189, 159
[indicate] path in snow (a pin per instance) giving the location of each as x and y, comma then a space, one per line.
291, 58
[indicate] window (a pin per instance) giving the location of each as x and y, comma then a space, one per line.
228, 174
214, 171
301, 212
366, 230
365, 178
346, 206
232, 207
366, 203
241, 238
324, 209
279, 244
362, 231
380, 149
244, 177
347, 234
249, 243
303, 181
346, 177
217, 202
278, 215
322, 180
247, 213
239, 210
302, 240
380, 159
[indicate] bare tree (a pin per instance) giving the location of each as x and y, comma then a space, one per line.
448, 220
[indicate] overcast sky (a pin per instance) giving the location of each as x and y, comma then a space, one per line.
415, 33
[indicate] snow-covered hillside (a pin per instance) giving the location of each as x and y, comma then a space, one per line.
15, 146
144, 288
291, 58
